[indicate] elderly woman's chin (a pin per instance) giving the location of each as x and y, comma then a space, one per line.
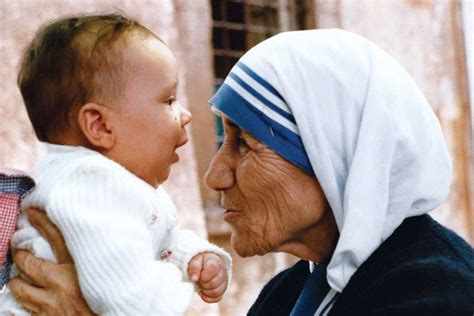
241, 248
246, 245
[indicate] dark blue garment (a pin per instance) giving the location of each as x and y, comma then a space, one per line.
421, 269
314, 291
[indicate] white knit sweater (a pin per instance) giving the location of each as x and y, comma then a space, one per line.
117, 229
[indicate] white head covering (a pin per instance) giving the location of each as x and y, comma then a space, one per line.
372, 140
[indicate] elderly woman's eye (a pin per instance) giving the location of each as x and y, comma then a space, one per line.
242, 143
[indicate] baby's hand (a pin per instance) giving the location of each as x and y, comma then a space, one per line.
208, 270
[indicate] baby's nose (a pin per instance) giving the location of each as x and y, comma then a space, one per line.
185, 116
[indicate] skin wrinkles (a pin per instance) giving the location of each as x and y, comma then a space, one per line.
256, 164
276, 207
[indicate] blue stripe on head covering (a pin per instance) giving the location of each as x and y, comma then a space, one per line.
259, 79
279, 138
262, 99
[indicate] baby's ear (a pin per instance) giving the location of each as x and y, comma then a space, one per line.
95, 123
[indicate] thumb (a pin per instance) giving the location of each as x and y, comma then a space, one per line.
195, 267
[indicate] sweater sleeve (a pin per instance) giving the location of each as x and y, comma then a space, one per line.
101, 216
185, 244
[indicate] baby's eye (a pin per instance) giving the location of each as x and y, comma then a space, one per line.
171, 101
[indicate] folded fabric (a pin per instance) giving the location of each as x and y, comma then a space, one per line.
14, 184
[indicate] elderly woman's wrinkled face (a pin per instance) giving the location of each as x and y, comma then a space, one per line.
270, 203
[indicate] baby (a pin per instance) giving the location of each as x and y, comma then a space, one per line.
101, 92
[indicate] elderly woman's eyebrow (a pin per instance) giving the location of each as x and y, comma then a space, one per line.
231, 124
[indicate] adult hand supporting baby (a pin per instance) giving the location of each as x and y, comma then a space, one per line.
43, 287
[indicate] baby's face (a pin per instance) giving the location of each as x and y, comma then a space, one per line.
148, 120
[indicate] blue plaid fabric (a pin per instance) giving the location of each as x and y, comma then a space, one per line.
15, 184
5, 270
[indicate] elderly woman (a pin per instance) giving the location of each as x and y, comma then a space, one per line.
332, 154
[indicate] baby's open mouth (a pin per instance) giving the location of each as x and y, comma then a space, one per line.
182, 143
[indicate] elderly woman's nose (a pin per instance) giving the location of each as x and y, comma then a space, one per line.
219, 175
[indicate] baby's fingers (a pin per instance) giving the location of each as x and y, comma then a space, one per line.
211, 269
215, 282
214, 295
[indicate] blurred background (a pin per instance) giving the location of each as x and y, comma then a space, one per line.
432, 39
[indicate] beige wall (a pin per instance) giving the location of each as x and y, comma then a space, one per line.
194, 26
